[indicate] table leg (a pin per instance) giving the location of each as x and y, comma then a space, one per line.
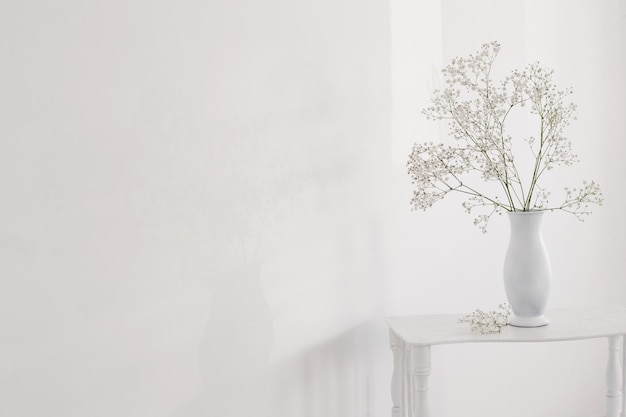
613, 378
623, 414
420, 371
398, 389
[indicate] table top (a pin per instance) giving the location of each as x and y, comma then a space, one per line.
565, 324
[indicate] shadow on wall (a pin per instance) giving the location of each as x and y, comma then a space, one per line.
334, 379
237, 339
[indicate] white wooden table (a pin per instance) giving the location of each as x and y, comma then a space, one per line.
411, 339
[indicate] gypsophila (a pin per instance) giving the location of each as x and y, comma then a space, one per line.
477, 108
488, 322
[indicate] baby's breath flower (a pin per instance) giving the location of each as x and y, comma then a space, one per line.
476, 109
488, 322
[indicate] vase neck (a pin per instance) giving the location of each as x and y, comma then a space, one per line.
525, 221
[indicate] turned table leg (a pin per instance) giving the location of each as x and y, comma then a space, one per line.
614, 378
398, 380
420, 371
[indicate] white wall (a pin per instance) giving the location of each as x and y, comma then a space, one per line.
191, 191
205, 213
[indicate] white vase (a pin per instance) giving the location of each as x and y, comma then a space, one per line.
527, 270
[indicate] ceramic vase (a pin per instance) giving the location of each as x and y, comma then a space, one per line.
527, 270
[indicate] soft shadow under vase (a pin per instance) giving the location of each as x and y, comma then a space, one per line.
527, 270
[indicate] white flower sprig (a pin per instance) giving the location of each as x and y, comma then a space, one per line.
477, 109
488, 322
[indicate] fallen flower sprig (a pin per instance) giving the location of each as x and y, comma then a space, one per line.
488, 322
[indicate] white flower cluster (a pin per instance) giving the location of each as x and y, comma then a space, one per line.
488, 322
477, 109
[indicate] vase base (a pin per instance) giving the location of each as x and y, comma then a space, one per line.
535, 321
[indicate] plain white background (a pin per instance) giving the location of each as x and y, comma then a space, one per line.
205, 206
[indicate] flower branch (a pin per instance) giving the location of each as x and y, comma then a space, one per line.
477, 110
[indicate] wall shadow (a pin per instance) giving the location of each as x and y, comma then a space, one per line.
341, 377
